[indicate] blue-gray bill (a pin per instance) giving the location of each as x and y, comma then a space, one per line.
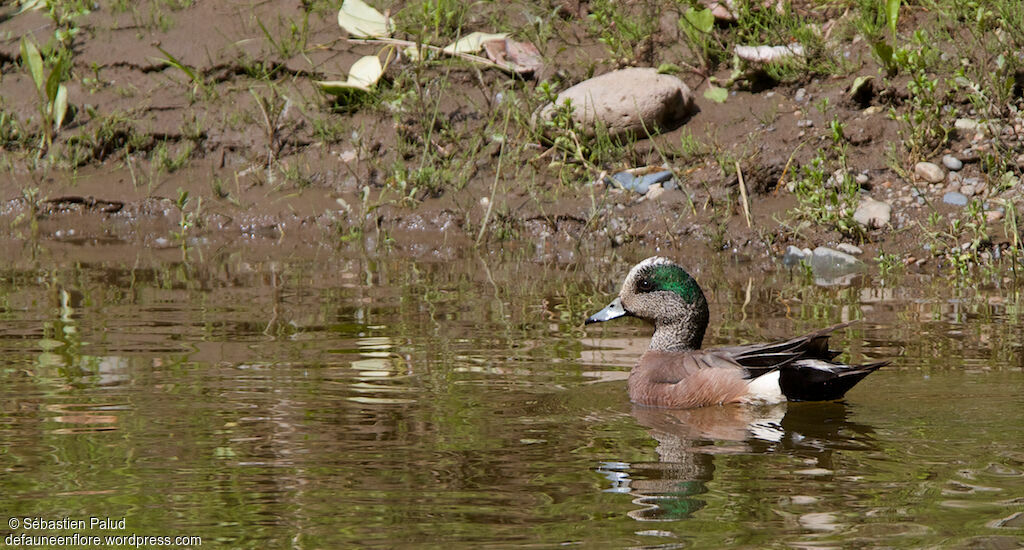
613, 310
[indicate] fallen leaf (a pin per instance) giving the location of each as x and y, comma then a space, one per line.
859, 83
472, 42
768, 54
363, 75
522, 57
363, 21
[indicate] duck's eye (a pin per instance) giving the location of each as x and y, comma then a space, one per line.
644, 285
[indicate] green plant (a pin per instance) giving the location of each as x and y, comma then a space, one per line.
826, 192
199, 83
433, 20
697, 26
888, 264
53, 94
187, 220
620, 32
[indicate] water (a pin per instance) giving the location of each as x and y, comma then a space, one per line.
345, 400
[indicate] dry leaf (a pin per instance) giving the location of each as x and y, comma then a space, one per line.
363, 21
363, 75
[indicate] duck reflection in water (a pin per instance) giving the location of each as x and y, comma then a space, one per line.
689, 440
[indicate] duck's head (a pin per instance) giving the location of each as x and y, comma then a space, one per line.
659, 290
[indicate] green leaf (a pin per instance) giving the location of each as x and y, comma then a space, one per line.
716, 94
892, 14
859, 83
60, 107
669, 68
27, 5
362, 21
884, 52
702, 20
31, 60
52, 84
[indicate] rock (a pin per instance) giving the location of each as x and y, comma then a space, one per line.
929, 172
966, 124
862, 179
833, 267
955, 198
952, 163
656, 177
722, 11
654, 192
793, 256
871, 213
642, 184
850, 249
801, 95
634, 100
993, 215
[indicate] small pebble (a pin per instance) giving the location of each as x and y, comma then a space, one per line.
993, 215
955, 198
929, 172
801, 95
952, 163
862, 179
967, 190
849, 249
654, 192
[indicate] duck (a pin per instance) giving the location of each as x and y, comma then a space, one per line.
676, 373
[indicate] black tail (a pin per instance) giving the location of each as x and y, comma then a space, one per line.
813, 381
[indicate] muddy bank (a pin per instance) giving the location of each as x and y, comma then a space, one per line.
198, 123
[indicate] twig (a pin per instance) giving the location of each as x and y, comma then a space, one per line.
785, 170
743, 194
497, 177
411, 44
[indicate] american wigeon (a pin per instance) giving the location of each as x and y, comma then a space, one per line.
676, 373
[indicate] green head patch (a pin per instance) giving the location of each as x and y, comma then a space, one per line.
670, 277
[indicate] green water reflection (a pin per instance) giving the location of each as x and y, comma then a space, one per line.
355, 401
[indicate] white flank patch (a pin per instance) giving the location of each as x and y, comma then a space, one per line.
768, 427
765, 389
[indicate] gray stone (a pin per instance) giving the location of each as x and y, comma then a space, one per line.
643, 184
833, 267
967, 190
862, 179
929, 172
955, 198
871, 213
850, 249
952, 163
657, 177
793, 256
634, 100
